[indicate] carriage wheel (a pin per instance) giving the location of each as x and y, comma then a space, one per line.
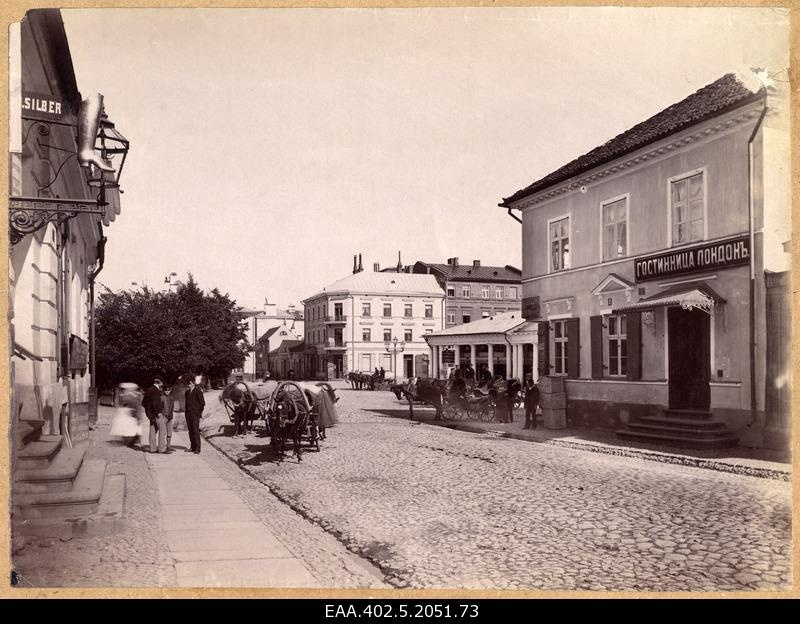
313, 434
473, 413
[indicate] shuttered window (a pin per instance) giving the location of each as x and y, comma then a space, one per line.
544, 349
596, 335
560, 359
573, 347
633, 323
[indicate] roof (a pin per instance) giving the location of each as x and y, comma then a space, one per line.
286, 345
497, 324
720, 96
469, 272
390, 283
688, 296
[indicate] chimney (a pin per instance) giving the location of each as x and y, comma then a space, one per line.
476, 263
355, 266
360, 268
399, 263
455, 262
376, 267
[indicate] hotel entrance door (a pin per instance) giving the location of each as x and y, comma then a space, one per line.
689, 359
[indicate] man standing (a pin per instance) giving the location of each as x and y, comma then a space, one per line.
167, 409
153, 410
531, 403
195, 402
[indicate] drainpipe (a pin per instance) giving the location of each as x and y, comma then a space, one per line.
101, 256
513, 216
750, 175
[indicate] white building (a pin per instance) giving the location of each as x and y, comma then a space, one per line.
372, 320
260, 326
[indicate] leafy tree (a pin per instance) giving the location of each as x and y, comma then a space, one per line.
142, 334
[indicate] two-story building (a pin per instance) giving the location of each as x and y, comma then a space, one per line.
370, 320
645, 264
266, 329
474, 292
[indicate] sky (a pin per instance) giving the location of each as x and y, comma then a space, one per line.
269, 146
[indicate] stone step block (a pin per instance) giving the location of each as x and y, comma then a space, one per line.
82, 500
39, 453
58, 476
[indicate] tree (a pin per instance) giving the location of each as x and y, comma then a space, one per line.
142, 334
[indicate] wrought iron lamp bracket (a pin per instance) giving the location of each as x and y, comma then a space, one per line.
26, 215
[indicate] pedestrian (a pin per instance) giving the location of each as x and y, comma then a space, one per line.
382, 374
531, 403
239, 410
167, 405
153, 410
125, 423
195, 402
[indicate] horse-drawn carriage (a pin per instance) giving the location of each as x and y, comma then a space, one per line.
293, 411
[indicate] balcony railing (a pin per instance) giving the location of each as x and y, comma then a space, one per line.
335, 318
334, 343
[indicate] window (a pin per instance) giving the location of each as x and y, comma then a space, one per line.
451, 291
337, 311
428, 310
559, 244
465, 290
387, 335
560, 347
485, 314
387, 309
465, 318
428, 331
615, 229
512, 292
451, 317
366, 309
498, 292
366, 335
485, 292
687, 197
617, 345
407, 335
408, 310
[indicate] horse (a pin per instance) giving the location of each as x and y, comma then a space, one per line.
362, 380
428, 391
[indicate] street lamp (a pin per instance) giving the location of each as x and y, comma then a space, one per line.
393, 347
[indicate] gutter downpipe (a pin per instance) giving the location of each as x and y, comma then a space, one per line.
101, 257
513, 216
750, 172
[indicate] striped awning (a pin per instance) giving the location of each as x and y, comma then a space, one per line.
688, 296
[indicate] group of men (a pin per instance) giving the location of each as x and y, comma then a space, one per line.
158, 407
380, 374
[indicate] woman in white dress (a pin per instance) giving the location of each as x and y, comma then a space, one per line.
125, 424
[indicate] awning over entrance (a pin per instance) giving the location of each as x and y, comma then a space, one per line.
688, 296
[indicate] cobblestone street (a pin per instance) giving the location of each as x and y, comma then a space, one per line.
439, 508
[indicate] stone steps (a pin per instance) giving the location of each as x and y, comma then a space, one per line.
722, 441
106, 521
29, 430
81, 500
687, 423
58, 476
682, 428
694, 414
688, 432
39, 453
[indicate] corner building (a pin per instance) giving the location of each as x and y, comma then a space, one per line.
647, 264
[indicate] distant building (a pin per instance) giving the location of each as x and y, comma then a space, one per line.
259, 324
350, 323
473, 292
269, 342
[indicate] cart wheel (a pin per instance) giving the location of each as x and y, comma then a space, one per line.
473, 414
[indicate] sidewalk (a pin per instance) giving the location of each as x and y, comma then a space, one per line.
762, 463
214, 537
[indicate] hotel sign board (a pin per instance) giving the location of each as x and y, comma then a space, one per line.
712, 256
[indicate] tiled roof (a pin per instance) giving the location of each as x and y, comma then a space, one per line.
726, 93
286, 345
371, 282
497, 324
469, 272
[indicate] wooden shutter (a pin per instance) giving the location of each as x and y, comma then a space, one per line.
544, 348
596, 327
573, 347
633, 324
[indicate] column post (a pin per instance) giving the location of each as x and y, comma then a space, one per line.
490, 355
473, 359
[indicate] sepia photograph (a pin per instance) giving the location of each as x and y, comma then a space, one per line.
483, 301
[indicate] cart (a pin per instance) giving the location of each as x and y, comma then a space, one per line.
293, 414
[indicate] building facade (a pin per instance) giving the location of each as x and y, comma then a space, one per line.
474, 292
370, 320
260, 326
644, 263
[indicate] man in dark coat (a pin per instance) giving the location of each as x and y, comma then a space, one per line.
195, 402
531, 403
151, 402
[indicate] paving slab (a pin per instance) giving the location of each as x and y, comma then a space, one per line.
245, 573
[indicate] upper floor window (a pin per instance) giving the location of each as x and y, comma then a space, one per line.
485, 314
366, 335
615, 229
428, 310
387, 309
560, 340
687, 199
466, 318
407, 335
366, 309
617, 345
465, 291
485, 292
451, 291
559, 244
498, 292
512, 292
451, 317
337, 311
387, 335
408, 310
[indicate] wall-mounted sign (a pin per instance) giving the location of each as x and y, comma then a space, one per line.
448, 356
46, 107
717, 255
531, 308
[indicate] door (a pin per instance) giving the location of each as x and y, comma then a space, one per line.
689, 359
408, 366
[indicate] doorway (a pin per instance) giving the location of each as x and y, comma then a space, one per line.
689, 347
408, 366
